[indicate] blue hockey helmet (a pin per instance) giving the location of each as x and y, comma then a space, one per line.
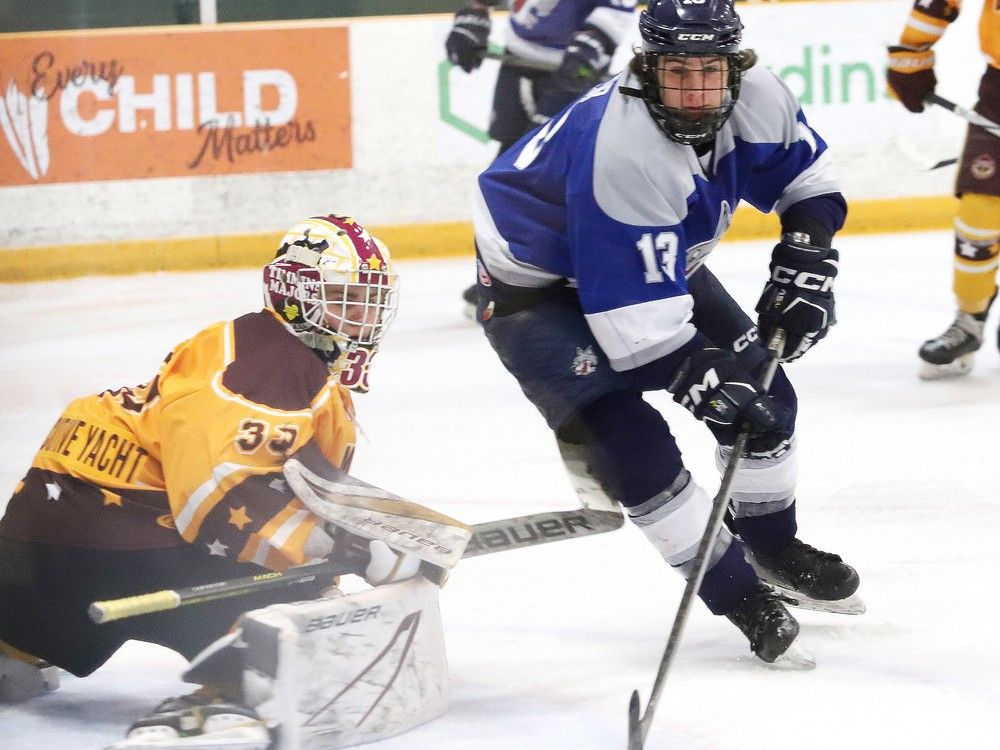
675, 29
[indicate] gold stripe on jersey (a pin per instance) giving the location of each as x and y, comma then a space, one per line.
276, 545
207, 495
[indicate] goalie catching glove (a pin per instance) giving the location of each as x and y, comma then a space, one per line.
712, 385
798, 298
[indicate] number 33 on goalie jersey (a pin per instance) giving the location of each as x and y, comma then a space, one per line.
193, 456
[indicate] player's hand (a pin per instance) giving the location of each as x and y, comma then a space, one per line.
717, 389
584, 65
470, 31
798, 298
911, 75
387, 565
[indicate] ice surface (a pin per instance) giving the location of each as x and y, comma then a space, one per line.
545, 645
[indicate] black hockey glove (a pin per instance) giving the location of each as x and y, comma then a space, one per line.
712, 385
584, 65
470, 31
798, 298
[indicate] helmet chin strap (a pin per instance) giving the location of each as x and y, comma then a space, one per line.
322, 344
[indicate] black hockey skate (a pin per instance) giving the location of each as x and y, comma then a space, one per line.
809, 578
951, 354
765, 622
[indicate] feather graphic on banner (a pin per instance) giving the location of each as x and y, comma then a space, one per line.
24, 122
38, 121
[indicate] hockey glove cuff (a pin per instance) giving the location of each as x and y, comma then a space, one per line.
911, 75
798, 298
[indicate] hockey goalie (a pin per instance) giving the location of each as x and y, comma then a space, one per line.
233, 461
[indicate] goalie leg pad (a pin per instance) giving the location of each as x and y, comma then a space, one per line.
339, 672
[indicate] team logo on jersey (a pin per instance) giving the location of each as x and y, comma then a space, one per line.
585, 361
484, 276
983, 167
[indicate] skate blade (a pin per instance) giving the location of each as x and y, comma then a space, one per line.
851, 605
961, 366
796, 658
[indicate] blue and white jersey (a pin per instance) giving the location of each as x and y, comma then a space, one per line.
540, 29
601, 197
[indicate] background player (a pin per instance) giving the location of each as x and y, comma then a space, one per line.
591, 234
977, 221
575, 39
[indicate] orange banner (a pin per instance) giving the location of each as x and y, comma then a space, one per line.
87, 106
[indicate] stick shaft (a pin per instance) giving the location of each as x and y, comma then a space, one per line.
159, 601
491, 536
507, 59
702, 557
966, 114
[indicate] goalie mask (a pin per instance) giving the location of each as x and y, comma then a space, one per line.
333, 284
690, 66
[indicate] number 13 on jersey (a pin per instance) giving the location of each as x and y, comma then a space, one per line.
659, 256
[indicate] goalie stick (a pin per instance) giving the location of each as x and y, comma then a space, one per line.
638, 726
491, 536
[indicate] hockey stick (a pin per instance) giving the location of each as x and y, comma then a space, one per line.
638, 727
966, 114
491, 536
504, 58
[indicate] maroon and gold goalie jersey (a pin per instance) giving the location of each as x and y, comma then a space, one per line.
195, 455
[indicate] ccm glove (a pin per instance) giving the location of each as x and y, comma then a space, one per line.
799, 296
470, 31
911, 75
712, 385
584, 64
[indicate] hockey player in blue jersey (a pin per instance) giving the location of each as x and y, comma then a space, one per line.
574, 39
591, 235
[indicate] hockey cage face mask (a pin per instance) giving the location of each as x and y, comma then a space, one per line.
690, 66
694, 94
334, 285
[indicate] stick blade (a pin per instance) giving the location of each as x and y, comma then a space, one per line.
634, 727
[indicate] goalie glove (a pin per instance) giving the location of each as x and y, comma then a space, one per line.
470, 32
911, 75
798, 298
715, 388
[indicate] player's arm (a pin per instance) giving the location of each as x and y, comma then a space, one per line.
652, 341
911, 61
587, 57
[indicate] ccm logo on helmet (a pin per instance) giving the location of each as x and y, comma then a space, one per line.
695, 37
